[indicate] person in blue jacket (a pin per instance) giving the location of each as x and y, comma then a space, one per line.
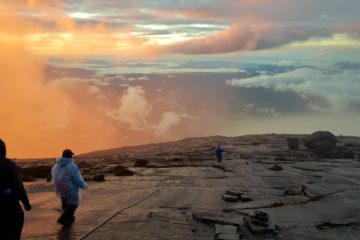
218, 153
67, 181
11, 192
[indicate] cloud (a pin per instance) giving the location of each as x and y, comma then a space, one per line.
134, 109
42, 109
168, 120
340, 89
98, 28
248, 34
260, 111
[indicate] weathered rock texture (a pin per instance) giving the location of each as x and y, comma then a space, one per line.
310, 198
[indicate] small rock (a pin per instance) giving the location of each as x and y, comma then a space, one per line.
276, 167
262, 216
99, 178
258, 229
230, 198
234, 192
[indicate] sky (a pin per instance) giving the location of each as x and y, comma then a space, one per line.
98, 74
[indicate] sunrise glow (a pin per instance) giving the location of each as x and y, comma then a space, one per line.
115, 73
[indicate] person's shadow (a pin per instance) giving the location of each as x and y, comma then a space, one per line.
65, 233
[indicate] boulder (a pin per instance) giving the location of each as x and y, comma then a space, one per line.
293, 143
320, 142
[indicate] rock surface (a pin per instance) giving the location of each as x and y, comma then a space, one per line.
180, 186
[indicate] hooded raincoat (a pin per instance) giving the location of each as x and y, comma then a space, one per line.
67, 180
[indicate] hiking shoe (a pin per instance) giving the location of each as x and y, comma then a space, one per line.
66, 222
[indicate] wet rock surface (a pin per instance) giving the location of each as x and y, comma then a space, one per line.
311, 198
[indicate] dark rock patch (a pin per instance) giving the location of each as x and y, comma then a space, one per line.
32, 173
121, 171
141, 163
293, 143
98, 178
230, 198
276, 167
339, 152
256, 143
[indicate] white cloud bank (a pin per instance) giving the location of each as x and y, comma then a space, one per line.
339, 88
134, 109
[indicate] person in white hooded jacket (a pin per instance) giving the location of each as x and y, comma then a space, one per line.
67, 181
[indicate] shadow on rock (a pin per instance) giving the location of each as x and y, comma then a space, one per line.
65, 233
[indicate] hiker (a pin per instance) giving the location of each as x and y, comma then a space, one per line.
67, 181
11, 192
218, 153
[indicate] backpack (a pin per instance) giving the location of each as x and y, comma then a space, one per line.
61, 179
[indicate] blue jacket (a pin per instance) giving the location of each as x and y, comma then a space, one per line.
67, 180
218, 151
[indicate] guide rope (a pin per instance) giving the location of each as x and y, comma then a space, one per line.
116, 213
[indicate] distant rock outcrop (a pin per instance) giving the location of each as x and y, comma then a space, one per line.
321, 142
293, 143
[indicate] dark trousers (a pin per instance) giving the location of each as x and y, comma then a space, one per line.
218, 158
67, 215
11, 221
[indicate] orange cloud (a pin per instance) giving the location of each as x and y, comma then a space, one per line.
53, 32
39, 118
248, 34
242, 36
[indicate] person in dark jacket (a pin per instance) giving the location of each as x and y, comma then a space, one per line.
11, 192
218, 153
